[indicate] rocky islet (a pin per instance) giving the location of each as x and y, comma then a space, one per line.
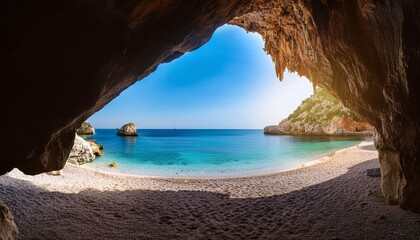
128, 129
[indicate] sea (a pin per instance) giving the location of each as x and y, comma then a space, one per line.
210, 153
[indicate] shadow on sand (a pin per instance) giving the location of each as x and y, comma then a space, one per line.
330, 210
369, 147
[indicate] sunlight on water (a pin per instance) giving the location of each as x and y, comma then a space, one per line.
210, 153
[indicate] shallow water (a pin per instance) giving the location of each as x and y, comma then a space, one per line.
210, 153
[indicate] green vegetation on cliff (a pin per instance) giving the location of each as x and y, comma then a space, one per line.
85, 129
321, 114
321, 108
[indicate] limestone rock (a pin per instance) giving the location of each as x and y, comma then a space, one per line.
274, 130
85, 129
321, 114
8, 228
73, 161
128, 129
96, 148
55, 173
82, 151
113, 165
348, 49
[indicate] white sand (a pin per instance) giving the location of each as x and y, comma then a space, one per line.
331, 199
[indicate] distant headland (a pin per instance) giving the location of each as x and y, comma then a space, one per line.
322, 115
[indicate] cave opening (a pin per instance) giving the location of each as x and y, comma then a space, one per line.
227, 87
227, 84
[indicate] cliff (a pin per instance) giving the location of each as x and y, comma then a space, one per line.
322, 114
81, 152
85, 129
84, 151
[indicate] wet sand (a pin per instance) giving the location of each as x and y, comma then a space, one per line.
330, 199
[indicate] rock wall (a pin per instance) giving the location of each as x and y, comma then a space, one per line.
364, 51
339, 126
8, 229
367, 54
321, 114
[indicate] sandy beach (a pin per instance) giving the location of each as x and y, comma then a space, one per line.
331, 198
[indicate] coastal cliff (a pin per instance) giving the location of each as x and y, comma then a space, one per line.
84, 151
85, 129
81, 152
321, 114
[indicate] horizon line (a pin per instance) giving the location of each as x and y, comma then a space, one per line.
189, 128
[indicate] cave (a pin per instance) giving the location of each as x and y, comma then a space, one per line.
63, 61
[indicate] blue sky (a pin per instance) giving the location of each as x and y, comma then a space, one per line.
230, 82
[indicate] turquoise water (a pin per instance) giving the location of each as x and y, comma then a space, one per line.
210, 153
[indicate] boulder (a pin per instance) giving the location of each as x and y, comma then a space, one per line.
85, 129
55, 173
96, 148
8, 228
82, 151
128, 129
113, 165
73, 161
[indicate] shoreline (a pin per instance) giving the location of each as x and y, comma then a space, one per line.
327, 200
324, 158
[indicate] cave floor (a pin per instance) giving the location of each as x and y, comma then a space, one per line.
330, 200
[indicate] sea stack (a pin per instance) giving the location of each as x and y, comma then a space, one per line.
85, 129
128, 129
